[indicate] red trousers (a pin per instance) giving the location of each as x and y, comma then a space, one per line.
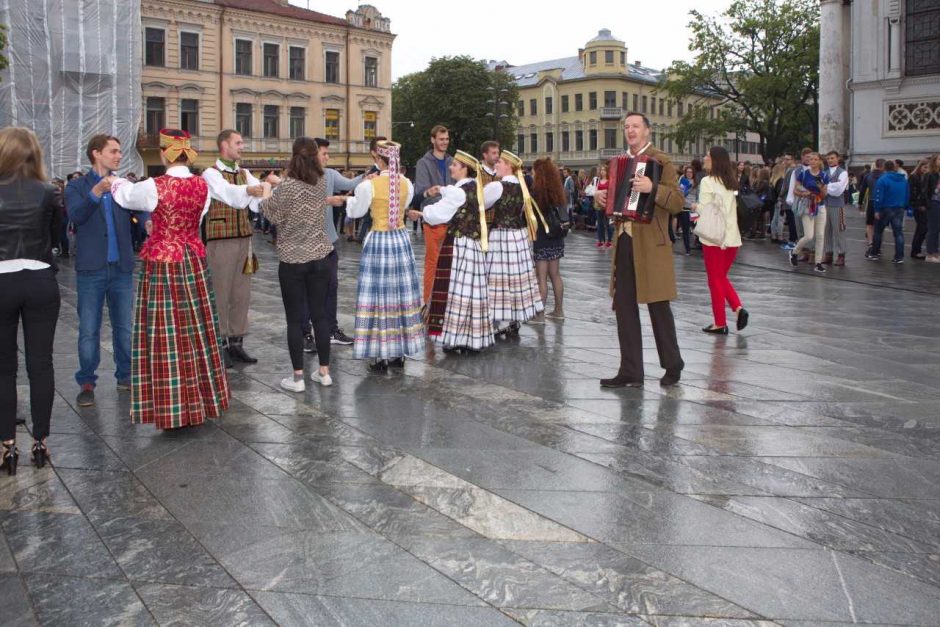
717, 265
434, 236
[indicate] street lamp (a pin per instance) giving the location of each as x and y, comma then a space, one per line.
497, 102
410, 123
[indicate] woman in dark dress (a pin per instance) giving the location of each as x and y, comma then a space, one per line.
548, 193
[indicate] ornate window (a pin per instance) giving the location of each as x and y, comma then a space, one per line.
922, 40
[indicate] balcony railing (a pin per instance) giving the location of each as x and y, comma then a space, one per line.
611, 113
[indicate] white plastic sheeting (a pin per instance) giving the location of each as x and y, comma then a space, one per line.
74, 72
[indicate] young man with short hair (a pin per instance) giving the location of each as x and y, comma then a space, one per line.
228, 232
433, 173
104, 265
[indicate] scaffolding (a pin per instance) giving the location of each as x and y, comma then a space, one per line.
74, 72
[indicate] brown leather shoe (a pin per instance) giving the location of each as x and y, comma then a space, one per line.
840, 261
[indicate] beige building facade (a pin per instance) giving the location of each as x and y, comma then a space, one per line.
270, 70
570, 109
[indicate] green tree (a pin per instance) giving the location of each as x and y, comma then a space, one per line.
474, 103
756, 68
3, 46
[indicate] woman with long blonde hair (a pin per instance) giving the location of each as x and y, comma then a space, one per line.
30, 221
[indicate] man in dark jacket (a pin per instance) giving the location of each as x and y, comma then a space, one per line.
891, 197
866, 192
104, 263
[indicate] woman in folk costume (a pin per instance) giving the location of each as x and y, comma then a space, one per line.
177, 374
459, 313
510, 270
388, 297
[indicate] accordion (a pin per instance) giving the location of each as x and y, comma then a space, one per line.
622, 200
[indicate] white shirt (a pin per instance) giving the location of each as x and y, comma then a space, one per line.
453, 198
711, 190
488, 170
143, 196
232, 195
837, 186
494, 191
359, 203
15, 265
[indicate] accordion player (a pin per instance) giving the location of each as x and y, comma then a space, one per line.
622, 200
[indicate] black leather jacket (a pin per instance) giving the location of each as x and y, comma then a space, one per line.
30, 221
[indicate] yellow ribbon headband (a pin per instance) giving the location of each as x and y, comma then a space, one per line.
174, 142
467, 159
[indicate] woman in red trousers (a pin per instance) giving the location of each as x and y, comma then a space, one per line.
720, 188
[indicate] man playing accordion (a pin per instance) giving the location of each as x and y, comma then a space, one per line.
642, 264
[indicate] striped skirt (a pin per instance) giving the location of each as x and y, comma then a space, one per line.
177, 375
510, 273
388, 298
466, 318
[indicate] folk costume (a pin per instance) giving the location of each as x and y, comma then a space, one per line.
388, 294
510, 269
487, 174
459, 313
228, 233
177, 373
643, 272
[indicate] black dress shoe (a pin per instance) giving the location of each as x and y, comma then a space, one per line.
398, 362
742, 318
621, 382
715, 330
380, 365
237, 351
670, 378
227, 357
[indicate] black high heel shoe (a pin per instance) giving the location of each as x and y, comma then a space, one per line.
40, 454
10, 457
380, 365
715, 330
742, 318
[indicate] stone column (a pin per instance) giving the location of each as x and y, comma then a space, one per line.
831, 77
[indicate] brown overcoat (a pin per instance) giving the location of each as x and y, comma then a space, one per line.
652, 249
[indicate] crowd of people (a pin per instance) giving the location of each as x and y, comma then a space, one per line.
494, 234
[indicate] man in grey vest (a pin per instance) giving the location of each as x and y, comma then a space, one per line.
835, 210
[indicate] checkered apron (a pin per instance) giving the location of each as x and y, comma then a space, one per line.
467, 316
388, 298
177, 374
510, 273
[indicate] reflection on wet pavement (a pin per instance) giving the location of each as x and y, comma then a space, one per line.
792, 479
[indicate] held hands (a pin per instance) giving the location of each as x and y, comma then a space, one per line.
432, 191
335, 201
255, 191
103, 186
273, 179
370, 176
415, 215
148, 227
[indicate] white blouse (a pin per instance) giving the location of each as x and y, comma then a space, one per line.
453, 198
358, 204
142, 196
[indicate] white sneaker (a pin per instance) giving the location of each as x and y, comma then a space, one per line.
290, 385
325, 379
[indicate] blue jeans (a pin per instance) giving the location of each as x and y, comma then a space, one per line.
895, 217
94, 288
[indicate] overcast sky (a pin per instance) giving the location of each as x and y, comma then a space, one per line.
524, 32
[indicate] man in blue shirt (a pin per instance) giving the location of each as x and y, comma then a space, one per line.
104, 263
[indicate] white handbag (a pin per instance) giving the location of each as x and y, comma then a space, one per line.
711, 227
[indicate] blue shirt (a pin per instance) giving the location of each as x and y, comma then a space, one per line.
442, 167
113, 254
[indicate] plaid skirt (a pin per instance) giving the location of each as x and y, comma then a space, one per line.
388, 298
510, 273
177, 375
466, 320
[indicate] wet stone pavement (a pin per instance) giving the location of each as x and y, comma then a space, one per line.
792, 479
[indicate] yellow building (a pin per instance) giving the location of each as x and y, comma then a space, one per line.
268, 69
570, 109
